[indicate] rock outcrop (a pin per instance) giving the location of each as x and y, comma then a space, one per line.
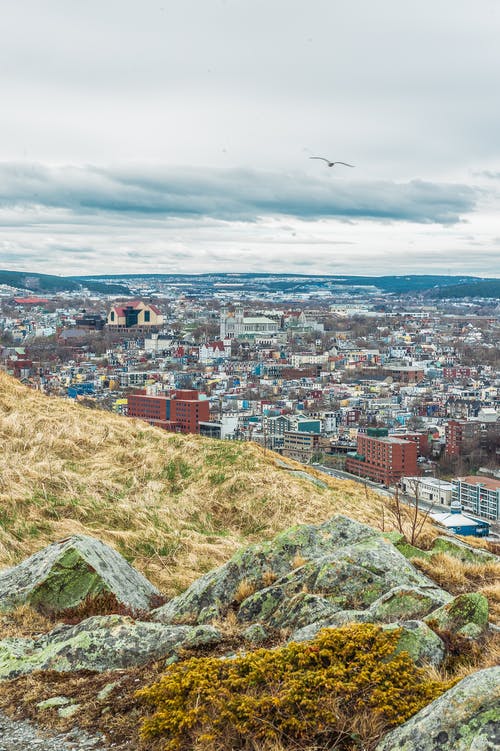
66, 573
465, 718
305, 579
99, 643
317, 571
466, 615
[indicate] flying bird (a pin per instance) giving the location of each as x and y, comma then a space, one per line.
329, 163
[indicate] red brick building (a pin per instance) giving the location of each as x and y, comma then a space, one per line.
460, 434
383, 459
180, 411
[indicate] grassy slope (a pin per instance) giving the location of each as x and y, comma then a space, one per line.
174, 505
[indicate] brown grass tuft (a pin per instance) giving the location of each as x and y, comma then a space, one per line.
24, 622
245, 589
298, 561
268, 578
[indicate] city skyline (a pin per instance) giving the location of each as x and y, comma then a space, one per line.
167, 137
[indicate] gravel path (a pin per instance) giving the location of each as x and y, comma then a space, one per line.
19, 735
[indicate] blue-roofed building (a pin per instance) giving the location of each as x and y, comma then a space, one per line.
460, 524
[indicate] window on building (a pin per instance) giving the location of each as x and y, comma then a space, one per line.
147, 316
112, 316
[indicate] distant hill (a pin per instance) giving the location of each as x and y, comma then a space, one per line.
397, 284
53, 284
490, 288
117, 284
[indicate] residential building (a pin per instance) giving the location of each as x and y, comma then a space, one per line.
459, 435
480, 495
180, 412
300, 446
382, 458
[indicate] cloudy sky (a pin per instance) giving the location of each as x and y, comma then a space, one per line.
175, 136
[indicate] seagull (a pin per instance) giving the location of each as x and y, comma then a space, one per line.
329, 163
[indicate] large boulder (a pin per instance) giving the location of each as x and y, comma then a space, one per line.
99, 643
68, 572
342, 563
465, 718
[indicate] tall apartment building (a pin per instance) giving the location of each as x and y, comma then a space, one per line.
180, 411
480, 495
458, 434
382, 458
300, 446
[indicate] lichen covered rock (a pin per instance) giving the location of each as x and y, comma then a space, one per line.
466, 615
421, 643
68, 572
341, 564
465, 718
407, 602
99, 643
462, 551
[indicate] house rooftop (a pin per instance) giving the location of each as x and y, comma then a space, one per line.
488, 482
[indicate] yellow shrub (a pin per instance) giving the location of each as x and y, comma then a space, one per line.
302, 693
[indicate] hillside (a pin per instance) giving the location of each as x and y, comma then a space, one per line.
215, 526
55, 284
489, 288
173, 505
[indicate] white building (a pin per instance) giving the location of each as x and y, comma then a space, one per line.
428, 489
211, 351
480, 495
238, 326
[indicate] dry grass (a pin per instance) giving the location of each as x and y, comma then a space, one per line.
459, 577
466, 656
298, 561
24, 622
174, 505
245, 589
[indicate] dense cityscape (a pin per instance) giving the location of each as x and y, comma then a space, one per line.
361, 381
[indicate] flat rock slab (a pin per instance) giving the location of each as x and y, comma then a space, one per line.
67, 572
100, 643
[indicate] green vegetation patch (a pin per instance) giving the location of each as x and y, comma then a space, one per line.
304, 693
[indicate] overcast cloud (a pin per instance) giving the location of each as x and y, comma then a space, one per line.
176, 136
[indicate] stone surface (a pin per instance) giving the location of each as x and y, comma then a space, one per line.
255, 634
213, 594
319, 570
19, 735
465, 718
421, 643
67, 572
460, 549
406, 602
461, 614
99, 643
